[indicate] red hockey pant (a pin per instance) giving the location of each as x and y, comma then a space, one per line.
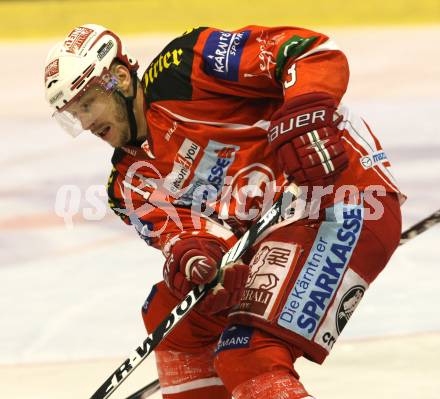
255, 355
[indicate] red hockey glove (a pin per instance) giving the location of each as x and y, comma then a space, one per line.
194, 261
305, 137
228, 291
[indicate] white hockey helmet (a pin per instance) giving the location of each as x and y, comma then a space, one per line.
83, 59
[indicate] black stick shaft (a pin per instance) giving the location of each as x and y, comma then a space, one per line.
146, 391
420, 227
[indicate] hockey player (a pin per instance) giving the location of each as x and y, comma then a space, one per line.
215, 128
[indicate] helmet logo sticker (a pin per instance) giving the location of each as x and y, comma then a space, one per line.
51, 70
76, 39
56, 97
104, 49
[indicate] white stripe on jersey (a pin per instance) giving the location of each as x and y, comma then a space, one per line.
354, 124
328, 45
263, 124
359, 132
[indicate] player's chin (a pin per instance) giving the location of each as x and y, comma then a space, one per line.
116, 140
113, 145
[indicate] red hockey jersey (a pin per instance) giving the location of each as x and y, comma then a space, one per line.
206, 167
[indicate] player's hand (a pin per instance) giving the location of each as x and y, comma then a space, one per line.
228, 291
308, 144
194, 261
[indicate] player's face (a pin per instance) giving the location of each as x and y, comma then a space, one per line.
103, 114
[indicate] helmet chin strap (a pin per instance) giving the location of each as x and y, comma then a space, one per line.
129, 105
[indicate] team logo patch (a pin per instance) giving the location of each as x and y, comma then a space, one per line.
250, 185
51, 70
222, 54
76, 39
234, 337
347, 306
270, 269
347, 298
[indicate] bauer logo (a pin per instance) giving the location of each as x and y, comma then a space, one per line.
222, 54
236, 336
323, 270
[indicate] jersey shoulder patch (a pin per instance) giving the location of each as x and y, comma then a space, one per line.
222, 53
168, 77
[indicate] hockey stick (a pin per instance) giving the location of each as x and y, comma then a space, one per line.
188, 303
146, 391
407, 235
420, 227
